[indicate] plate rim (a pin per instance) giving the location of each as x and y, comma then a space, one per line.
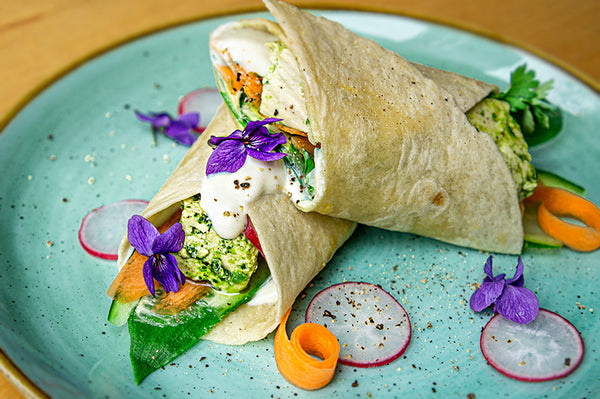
7, 366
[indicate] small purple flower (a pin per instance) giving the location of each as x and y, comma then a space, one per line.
509, 297
161, 264
231, 152
178, 129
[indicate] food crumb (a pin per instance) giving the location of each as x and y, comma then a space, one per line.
91, 180
52, 157
49, 243
29, 177
355, 384
165, 158
128, 178
580, 306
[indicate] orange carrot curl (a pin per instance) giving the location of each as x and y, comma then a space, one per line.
555, 203
294, 359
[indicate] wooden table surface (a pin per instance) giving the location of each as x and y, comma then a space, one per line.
42, 39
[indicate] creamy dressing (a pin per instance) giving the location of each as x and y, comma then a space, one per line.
246, 47
224, 195
266, 295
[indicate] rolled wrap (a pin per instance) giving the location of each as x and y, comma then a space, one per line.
296, 245
396, 149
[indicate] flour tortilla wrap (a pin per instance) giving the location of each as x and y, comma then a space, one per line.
396, 149
296, 245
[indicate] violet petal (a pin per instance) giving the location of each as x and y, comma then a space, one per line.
265, 156
253, 126
191, 119
518, 304
148, 272
141, 234
169, 241
486, 295
216, 140
518, 280
228, 156
265, 142
166, 272
180, 132
487, 268
157, 120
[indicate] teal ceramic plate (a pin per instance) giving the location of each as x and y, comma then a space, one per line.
78, 146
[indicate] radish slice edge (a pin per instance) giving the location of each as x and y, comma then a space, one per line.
548, 348
204, 101
103, 228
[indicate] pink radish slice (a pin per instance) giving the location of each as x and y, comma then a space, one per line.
548, 348
103, 228
204, 101
373, 329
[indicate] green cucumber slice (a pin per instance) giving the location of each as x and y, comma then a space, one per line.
534, 235
550, 179
119, 312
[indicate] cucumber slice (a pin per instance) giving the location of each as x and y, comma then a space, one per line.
553, 180
119, 312
534, 235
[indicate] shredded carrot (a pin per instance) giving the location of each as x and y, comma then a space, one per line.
294, 359
252, 87
292, 131
174, 302
234, 80
303, 144
555, 203
239, 79
129, 284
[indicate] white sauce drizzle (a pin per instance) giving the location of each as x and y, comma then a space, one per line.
224, 195
266, 294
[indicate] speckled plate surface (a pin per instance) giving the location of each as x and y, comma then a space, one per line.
77, 146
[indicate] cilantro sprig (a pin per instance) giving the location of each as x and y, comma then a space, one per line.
539, 119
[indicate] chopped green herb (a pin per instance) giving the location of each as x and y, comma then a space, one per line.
539, 119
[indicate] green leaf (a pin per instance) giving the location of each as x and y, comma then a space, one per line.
527, 121
309, 164
542, 134
539, 119
158, 339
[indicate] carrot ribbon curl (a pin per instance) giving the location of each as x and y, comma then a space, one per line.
555, 203
295, 359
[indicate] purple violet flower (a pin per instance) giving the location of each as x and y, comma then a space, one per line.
509, 297
231, 152
161, 264
178, 129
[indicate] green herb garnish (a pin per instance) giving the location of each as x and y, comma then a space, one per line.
539, 119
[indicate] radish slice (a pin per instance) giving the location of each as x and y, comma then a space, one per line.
372, 327
204, 101
548, 348
103, 228
251, 235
